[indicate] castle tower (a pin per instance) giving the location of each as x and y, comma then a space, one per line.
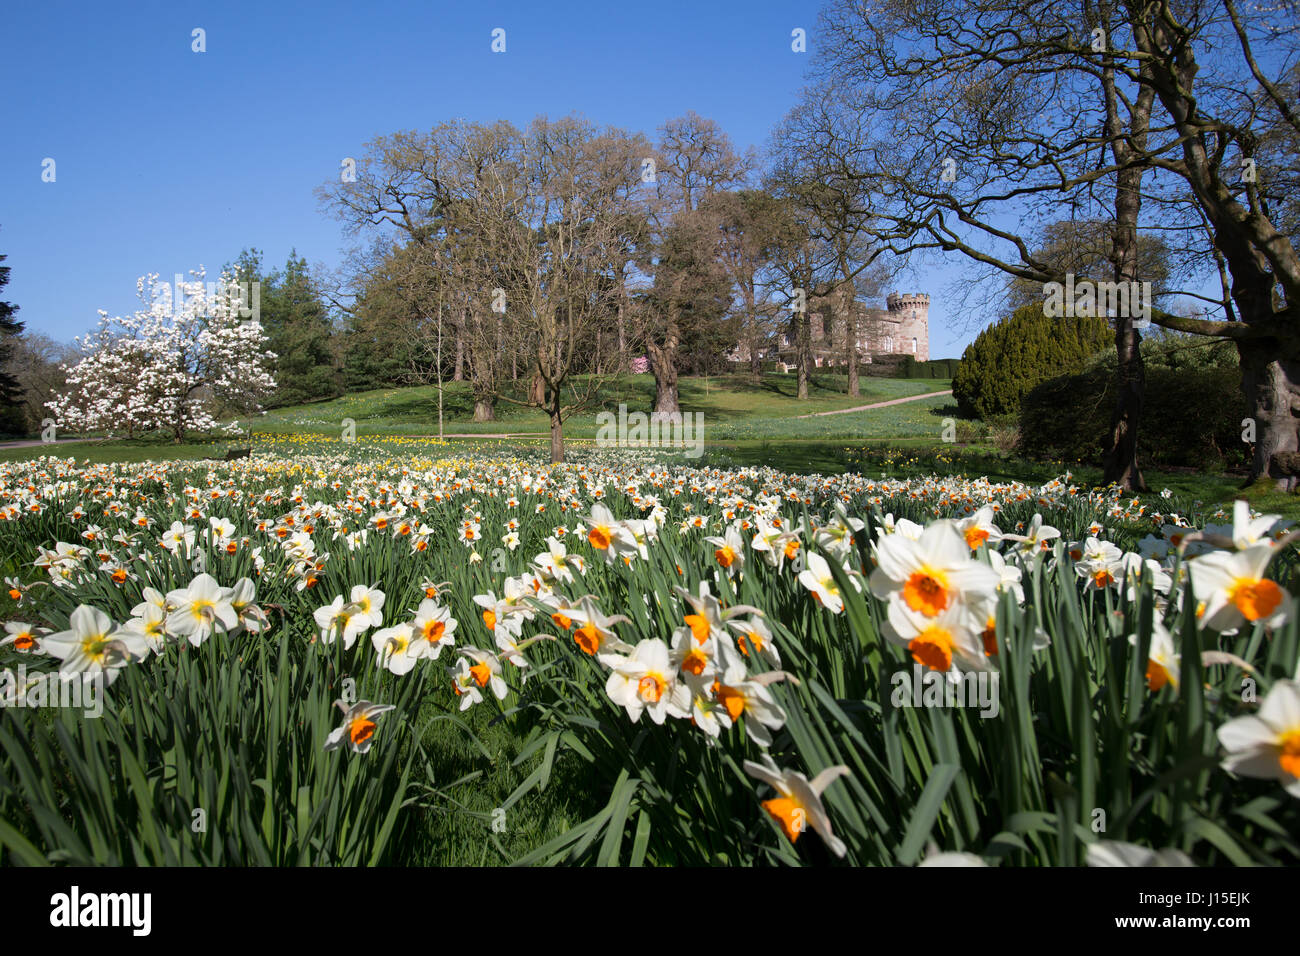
912, 312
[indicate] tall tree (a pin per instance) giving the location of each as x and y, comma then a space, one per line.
695, 159
753, 228
12, 417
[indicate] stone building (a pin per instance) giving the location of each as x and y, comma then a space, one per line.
902, 328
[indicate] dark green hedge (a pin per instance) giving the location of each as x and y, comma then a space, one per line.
935, 368
1009, 358
1192, 411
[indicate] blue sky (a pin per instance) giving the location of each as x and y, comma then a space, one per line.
166, 158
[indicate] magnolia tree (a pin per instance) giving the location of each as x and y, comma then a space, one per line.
193, 352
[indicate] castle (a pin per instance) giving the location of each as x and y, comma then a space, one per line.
900, 329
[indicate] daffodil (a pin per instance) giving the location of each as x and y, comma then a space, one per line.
1233, 590
932, 573
950, 642
646, 681
358, 728
23, 637
486, 670
729, 551
1267, 744
92, 646
432, 630
798, 803
200, 609
394, 648
1163, 661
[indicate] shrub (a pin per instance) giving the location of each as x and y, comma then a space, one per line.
935, 368
1191, 417
1006, 360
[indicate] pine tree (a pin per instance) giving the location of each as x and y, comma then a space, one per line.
12, 419
1009, 358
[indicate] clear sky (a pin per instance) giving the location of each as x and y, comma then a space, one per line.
166, 158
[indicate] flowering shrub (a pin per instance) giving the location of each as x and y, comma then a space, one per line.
738, 656
165, 369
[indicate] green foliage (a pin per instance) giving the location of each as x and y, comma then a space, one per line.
1006, 360
935, 368
13, 421
1191, 414
298, 330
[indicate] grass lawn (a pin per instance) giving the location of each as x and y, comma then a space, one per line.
746, 422
734, 401
924, 456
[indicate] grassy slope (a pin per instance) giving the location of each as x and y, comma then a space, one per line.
722, 400
745, 423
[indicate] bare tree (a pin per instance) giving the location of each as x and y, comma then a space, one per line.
695, 160
992, 117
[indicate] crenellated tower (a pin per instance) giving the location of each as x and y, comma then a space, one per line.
912, 313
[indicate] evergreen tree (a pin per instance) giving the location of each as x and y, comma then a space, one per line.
298, 329
1009, 358
12, 419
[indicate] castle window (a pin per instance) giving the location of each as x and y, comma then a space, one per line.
914, 345
889, 343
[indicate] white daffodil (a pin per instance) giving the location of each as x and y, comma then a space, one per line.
979, 529
394, 648
556, 564
486, 671
593, 631
750, 697
432, 629
358, 728
1231, 589
777, 545
1163, 660
91, 646
754, 636
200, 609
1248, 532
799, 800
950, 642
1267, 744
336, 619
608, 535
23, 637
368, 604
151, 625
464, 683
817, 578
930, 574
251, 617
729, 550
647, 682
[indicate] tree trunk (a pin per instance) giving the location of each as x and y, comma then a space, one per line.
1119, 464
484, 410
622, 338
851, 335
1272, 387
803, 350
557, 437
459, 375
663, 362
